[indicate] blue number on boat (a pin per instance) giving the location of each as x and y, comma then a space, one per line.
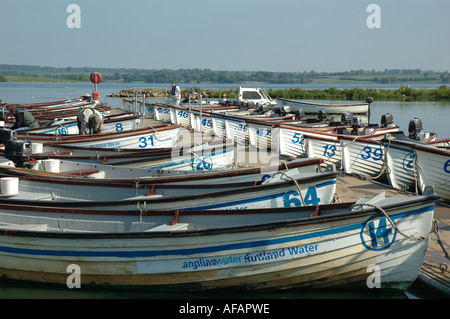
380, 234
408, 163
206, 122
297, 139
119, 127
447, 167
377, 153
202, 164
183, 114
311, 196
294, 201
291, 202
62, 130
241, 127
332, 150
144, 140
263, 132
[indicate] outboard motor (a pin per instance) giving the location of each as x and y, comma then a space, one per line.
356, 124
299, 114
3, 113
369, 99
19, 152
322, 115
346, 118
263, 108
285, 110
414, 128
6, 135
387, 120
86, 98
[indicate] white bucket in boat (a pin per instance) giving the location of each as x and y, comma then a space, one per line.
37, 148
2, 123
9, 185
51, 165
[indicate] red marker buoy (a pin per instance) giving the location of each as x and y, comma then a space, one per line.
96, 78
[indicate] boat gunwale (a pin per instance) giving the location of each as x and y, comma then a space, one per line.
268, 226
175, 198
169, 179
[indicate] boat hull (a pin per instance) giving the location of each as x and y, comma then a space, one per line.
360, 108
303, 252
434, 168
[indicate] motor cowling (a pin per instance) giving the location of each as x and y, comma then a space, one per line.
19, 152
386, 120
322, 115
6, 135
346, 118
356, 124
299, 114
3, 113
414, 128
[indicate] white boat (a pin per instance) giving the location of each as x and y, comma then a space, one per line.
292, 138
45, 187
310, 107
160, 136
282, 191
433, 168
111, 123
329, 246
42, 105
209, 156
364, 156
138, 107
401, 163
79, 172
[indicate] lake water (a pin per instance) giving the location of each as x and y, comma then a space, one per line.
434, 115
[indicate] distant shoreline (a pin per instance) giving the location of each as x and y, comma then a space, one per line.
354, 94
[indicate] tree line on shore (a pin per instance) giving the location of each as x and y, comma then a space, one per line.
197, 75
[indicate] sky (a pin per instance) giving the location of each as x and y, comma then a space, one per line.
243, 35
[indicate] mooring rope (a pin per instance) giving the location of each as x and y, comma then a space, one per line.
292, 179
435, 228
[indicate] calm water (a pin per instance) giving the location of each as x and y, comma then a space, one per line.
434, 115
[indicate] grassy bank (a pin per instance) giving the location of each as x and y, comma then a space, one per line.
357, 94
354, 94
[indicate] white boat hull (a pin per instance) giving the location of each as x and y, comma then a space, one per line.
434, 168
365, 158
308, 107
259, 250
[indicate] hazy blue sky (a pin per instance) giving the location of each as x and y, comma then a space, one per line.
253, 35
